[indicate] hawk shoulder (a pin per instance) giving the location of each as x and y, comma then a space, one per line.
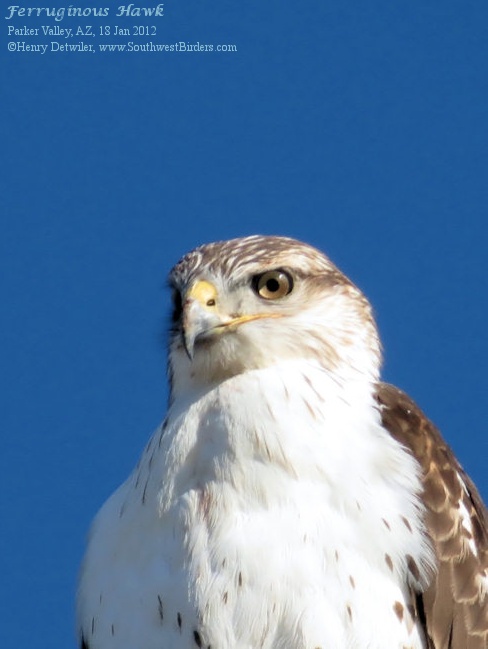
454, 607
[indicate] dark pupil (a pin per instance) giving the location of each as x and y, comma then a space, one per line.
272, 285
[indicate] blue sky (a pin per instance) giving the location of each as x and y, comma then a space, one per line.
359, 127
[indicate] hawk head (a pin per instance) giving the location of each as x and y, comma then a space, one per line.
259, 301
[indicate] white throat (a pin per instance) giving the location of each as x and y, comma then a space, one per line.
276, 479
262, 505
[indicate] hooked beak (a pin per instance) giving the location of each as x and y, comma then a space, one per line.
201, 316
199, 313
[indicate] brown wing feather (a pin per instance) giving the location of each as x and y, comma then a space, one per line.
454, 608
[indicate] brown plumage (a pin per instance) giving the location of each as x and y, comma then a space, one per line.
308, 316
454, 608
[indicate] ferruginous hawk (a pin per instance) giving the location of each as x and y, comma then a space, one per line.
289, 500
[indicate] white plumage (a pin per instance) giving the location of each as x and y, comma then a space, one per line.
272, 508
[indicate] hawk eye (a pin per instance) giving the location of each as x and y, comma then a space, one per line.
273, 284
177, 305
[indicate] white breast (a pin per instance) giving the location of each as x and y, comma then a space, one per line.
271, 511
